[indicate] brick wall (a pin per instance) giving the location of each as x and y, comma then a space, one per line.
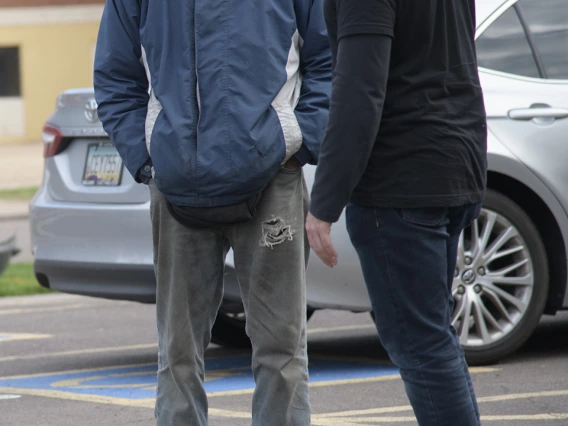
29, 3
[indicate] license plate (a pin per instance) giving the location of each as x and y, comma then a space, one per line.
103, 166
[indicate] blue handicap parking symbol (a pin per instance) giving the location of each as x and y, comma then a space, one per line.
130, 383
222, 375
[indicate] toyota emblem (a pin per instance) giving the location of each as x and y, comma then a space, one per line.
91, 111
469, 277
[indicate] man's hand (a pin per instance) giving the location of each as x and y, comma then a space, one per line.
320, 240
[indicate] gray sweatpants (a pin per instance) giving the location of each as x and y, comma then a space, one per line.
270, 263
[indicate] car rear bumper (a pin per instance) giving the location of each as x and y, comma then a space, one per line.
113, 234
110, 280
93, 249
107, 280
100, 250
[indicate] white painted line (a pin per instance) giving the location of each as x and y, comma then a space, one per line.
50, 299
148, 403
10, 337
10, 397
48, 309
342, 328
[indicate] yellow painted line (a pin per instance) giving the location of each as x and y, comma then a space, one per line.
363, 420
477, 370
217, 412
10, 337
79, 352
472, 370
46, 309
532, 417
347, 418
513, 396
313, 385
141, 403
354, 381
88, 370
78, 383
342, 328
353, 413
317, 420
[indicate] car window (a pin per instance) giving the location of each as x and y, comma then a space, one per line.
504, 46
548, 24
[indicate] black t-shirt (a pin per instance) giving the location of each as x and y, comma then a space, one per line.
407, 125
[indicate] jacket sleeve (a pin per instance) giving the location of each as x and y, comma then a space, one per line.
121, 85
315, 64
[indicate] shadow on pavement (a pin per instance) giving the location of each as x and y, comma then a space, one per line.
550, 340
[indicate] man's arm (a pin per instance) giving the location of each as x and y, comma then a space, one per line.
363, 31
121, 85
359, 86
315, 65
358, 94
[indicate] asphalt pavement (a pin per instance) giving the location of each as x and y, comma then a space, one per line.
69, 360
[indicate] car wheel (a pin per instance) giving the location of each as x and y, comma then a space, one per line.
501, 281
229, 327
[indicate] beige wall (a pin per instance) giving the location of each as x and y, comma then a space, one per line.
56, 53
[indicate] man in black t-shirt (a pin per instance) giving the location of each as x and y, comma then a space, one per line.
405, 150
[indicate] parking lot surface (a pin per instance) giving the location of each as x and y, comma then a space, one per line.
67, 360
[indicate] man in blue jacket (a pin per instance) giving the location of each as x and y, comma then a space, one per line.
217, 106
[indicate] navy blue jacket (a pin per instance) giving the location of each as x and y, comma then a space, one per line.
214, 95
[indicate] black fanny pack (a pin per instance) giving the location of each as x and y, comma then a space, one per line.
215, 216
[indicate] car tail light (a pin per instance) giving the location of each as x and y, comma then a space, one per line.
52, 141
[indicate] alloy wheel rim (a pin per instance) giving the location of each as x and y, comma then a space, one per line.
494, 281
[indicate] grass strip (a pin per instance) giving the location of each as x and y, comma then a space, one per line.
19, 194
19, 280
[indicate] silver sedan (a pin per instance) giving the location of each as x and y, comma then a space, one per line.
91, 227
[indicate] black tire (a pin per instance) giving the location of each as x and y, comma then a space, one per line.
229, 328
515, 338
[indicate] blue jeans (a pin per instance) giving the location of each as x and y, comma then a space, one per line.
408, 258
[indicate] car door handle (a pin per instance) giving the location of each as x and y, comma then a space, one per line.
526, 114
